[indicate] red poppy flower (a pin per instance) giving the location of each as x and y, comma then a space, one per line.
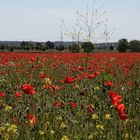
81, 68
107, 83
28, 89
18, 94
72, 104
120, 108
96, 73
31, 119
42, 75
69, 79
122, 116
1, 94
57, 104
91, 76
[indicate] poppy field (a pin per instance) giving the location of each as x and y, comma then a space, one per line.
69, 96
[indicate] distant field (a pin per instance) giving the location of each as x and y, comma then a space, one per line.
69, 96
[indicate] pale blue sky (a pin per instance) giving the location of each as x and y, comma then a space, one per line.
40, 20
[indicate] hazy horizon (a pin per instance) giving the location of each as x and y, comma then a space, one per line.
39, 20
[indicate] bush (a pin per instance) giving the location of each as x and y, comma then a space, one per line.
88, 47
134, 46
122, 45
75, 48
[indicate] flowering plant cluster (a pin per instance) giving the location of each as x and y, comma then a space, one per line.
69, 96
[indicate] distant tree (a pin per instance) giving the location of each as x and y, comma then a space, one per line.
11, 48
24, 43
43, 48
46, 47
60, 47
38, 44
50, 44
75, 48
2, 47
111, 48
134, 46
88, 47
122, 45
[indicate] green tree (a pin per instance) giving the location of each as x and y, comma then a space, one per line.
134, 46
75, 48
88, 47
60, 47
50, 44
122, 45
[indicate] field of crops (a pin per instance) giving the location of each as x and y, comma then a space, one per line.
69, 96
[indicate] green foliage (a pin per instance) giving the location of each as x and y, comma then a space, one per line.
88, 47
50, 44
134, 46
122, 45
60, 47
75, 48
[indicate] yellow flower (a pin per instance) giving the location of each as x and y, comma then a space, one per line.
12, 129
91, 136
64, 137
126, 136
47, 81
108, 117
52, 132
100, 127
8, 108
63, 125
94, 116
7, 130
59, 118
41, 132
96, 88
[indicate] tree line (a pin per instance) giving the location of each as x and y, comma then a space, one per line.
123, 46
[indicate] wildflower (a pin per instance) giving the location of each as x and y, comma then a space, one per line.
69, 79
91, 76
57, 104
31, 119
41, 132
94, 116
72, 104
103, 89
59, 118
7, 130
120, 108
42, 75
100, 127
32, 59
96, 88
64, 137
47, 81
28, 89
108, 117
51, 132
63, 125
96, 73
8, 108
1, 94
107, 83
122, 116
81, 68
91, 136
18, 94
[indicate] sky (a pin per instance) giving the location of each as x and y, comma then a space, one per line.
40, 20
